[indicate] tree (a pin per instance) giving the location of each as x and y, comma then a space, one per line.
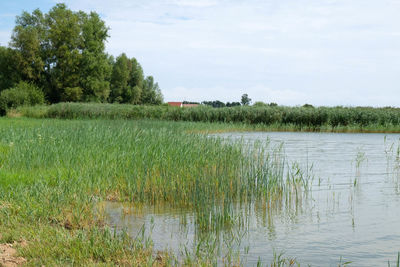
119, 79
29, 41
136, 80
9, 74
128, 85
63, 52
245, 100
95, 66
151, 93
214, 104
233, 104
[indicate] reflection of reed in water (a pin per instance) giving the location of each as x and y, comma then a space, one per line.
275, 190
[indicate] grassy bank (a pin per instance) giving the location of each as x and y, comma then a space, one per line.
331, 119
55, 172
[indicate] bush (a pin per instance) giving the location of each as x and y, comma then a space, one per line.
23, 94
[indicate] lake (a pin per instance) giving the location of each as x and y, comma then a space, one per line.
352, 212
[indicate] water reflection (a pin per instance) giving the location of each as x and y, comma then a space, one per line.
351, 212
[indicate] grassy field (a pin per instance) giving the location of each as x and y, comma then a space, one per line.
54, 173
277, 118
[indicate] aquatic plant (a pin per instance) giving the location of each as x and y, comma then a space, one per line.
54, 172
346, 119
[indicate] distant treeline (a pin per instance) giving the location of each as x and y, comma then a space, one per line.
61, 55
292, 118
214, 104
219, 104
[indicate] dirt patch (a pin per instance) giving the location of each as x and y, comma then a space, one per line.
8, 256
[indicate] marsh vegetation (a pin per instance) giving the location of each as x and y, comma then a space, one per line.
277, 118
56, 172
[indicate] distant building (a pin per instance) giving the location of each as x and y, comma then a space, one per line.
175, 104
180, 104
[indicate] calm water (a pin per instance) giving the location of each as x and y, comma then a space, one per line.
353, 210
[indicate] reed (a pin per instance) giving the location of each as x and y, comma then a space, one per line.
341, 119
55, 172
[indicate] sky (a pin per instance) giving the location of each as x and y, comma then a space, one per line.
291, 52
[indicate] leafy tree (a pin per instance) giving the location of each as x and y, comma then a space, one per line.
95, 65
64, 52
29, 41
151, 92
233, 104
9, 74
214, 104
245, 100
65, 55
136, 80
128, 85
119, 79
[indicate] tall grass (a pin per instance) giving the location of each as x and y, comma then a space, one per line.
53, 172
279, 117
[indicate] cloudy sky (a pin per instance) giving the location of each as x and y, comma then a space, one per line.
322, 52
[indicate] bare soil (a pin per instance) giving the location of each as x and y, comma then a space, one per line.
8, 253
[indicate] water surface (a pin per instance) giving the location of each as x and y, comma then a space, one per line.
352, 211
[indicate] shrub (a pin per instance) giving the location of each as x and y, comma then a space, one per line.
73, 94
23, 94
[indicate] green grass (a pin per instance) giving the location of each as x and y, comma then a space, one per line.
279, 118
53, 174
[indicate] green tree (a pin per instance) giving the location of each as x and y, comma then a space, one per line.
9, 74
65, 55
136, 78
245, 100
151, 92
95, 66
127, 84
29, 41
64, 52
119, 79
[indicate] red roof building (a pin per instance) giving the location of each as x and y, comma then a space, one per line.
180, 104
175, 104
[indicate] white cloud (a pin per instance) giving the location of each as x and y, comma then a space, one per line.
195, 3
323, 52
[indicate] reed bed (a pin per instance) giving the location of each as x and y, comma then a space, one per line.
350, 119
54, 172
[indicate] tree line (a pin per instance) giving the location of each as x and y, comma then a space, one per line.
62, 54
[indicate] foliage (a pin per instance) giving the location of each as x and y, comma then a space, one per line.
262, 104
9, 74
233, 104
214, 104
308, 106
151, 92
22, 94
280, 117
127, 81
245, 100
63, 52
95, 69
